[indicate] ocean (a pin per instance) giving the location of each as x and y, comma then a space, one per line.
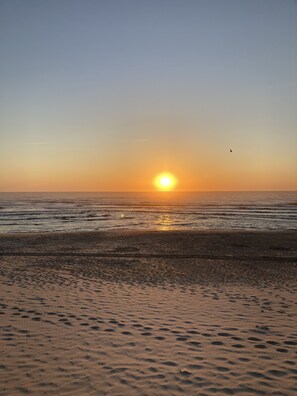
52, 212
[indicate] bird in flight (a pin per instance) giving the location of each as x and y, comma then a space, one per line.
231, 151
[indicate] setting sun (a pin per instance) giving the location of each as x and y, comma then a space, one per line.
165, 182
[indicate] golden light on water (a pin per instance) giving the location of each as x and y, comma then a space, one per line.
165, 182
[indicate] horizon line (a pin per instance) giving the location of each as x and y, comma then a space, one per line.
137, 191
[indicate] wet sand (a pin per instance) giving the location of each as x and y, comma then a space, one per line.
152, 313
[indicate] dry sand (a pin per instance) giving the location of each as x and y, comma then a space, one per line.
148, 313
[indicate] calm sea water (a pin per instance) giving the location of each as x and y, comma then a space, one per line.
35, 212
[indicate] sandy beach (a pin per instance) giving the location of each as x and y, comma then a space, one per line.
148, 313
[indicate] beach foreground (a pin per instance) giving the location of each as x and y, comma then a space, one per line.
148, 313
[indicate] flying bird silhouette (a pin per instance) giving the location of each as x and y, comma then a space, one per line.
231, 151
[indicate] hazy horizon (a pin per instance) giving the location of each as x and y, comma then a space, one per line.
144, 191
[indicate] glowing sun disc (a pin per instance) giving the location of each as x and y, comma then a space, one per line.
165, 181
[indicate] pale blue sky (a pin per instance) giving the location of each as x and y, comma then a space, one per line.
132, 86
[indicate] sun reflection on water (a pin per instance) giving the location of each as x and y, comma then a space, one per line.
164, 221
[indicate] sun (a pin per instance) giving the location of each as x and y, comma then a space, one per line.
165, 181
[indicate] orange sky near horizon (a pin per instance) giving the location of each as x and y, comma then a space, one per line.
229, 173
200, 161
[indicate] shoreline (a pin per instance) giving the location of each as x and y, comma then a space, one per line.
152, 231
130, 231
183, 244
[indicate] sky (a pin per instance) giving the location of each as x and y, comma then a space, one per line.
104, 95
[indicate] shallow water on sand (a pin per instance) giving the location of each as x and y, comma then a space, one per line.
37, 212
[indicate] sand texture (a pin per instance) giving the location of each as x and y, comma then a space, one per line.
153, 313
